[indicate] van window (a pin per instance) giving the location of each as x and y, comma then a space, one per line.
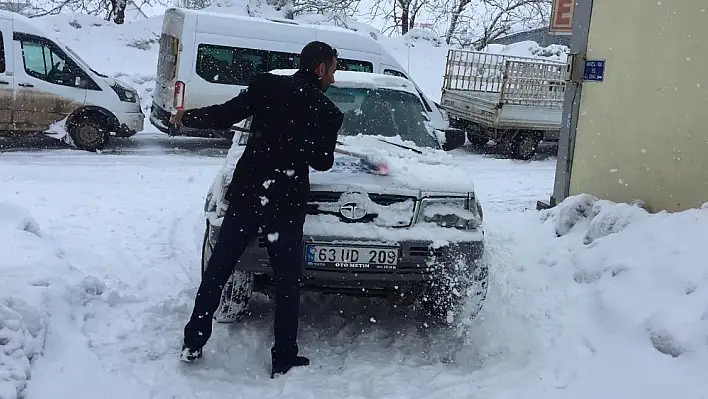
2, 53
278, 60
229, 65
167, 57
354, 65
394, 72
237, 66
47, 63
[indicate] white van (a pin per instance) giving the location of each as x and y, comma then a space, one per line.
42, 81
207, 58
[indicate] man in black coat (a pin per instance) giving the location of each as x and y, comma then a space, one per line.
294, 127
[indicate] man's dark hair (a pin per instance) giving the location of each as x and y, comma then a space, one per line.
315, 53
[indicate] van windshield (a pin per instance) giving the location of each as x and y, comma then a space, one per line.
81, 61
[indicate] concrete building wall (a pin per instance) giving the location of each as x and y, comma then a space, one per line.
643, 132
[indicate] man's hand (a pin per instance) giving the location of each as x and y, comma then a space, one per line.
176, 118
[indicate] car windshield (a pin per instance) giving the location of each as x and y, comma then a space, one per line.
382, 112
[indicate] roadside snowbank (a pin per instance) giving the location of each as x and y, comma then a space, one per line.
624, 315
646, 272
35, 279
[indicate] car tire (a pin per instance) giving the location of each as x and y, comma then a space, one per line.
453, 298
237, 290
89, 131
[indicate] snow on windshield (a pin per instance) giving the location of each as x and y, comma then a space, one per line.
382, 112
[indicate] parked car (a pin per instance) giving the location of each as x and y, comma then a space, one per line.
42, 81
413, 235
206, 57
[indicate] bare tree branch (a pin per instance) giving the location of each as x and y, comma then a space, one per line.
477, 22
400, 15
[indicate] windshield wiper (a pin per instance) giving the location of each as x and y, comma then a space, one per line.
401, 146
98, 73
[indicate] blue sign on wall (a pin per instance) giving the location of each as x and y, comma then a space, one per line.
594, 70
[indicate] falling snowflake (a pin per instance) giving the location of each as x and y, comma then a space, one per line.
264, 200
273, 237
290, 172
268, 182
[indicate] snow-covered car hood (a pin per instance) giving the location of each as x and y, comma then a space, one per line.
409, 173
434, 171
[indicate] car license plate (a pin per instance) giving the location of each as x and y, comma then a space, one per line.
351, 257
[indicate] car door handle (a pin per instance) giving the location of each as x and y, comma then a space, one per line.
25, 84
2, 82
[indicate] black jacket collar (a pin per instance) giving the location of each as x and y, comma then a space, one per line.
308, 77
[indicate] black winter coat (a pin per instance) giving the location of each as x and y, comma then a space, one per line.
294, 127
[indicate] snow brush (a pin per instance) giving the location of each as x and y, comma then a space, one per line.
370, 163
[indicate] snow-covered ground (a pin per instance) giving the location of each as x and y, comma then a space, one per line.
99, 263
99, 255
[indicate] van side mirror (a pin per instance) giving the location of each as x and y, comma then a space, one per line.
454, 138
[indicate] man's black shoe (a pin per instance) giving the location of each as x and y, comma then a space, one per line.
280, 366
189, 355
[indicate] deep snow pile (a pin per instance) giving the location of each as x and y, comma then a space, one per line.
647, 273
34, 280
595, 300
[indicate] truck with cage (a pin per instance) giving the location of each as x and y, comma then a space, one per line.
516, 102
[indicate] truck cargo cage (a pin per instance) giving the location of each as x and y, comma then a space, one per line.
510, 79
508, 99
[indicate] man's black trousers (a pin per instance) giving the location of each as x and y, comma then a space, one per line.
283, 239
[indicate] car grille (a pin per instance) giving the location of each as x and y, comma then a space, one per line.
381, 199
329, 197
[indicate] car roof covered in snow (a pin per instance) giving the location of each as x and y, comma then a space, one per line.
279, 29
367, 80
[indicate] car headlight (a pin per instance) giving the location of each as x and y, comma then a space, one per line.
462, 213
124, 94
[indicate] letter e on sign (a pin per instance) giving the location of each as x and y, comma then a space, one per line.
562, 17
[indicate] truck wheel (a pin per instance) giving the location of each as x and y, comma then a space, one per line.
236, 293
453, 298
89, 131
524, 145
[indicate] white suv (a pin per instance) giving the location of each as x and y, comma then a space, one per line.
412, 234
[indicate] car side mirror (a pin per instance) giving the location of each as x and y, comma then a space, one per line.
454, 138
77, 81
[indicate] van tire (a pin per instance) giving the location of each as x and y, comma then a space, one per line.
89, 131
